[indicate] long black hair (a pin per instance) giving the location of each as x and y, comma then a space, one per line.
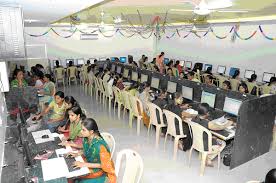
49, 77
91, 124
71, 100
60, 94
236, 74
78, 111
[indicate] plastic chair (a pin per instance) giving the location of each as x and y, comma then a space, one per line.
126, 101
153, 121
108, 93
234, 84
136, 111
72, 74
117, 99
171, 130
198, 144
133, 166
251, 86
175, 72
59, 74
109, 139
266, 89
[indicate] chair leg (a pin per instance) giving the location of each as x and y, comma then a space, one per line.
203, 163
119, 110
157, 136
218, 160
149, 128
166, 136
175, 147
138, 124
190, 156
130, 119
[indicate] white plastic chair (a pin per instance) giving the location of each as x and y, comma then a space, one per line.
133, 166
234, 84
72, 74
60, 75
198, 144
126, 101
109, 139
136, 111
171, 130
153, 121
117, 99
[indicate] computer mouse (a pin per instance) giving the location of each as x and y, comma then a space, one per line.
45, 136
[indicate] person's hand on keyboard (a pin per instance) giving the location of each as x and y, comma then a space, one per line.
64, 143
78, 164
73, 154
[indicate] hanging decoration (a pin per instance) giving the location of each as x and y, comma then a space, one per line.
269, 38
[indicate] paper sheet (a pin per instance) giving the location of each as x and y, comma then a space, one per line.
54, 168
38, 136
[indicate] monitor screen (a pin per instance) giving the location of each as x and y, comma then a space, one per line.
119, 69
113, 59
221, 69
248, 74
155, 83
181, 63
232, 106
171, 88
267, 76
188, 64
134, 76
102, 58
123, 59
187, 92
166, 61
113, 68
144, 78
80, 61
208, 65
208, 98
92, 60
232, 71
125, 74
68, 60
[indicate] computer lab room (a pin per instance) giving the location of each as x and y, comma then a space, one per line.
137, 91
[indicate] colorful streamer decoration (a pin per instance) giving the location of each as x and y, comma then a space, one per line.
269, 38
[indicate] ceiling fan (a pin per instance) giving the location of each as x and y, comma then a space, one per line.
205, 8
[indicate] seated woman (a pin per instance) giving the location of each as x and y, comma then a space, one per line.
75, 117
38, 77
120, 81
49, 89
19, 80
209, 80
57, 115
170, 72
202, 119
97, 155
144, 96
243, 88
226, 85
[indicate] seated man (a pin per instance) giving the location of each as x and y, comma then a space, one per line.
191, 77
202, 119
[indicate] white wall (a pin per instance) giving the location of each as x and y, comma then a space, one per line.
75, 48
258, 53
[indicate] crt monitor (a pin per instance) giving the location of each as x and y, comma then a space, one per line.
267, 76
113, 68
134, 76
166, 61
248, 73
123, 59
232, 71
232, 106
68, 60
187, 92
125, 74
221, 69
92, 60
171, 88
154, 82
208, 98
208, 65
113, 59
181, 63
80, 61
188, 64
119, 69
144, 78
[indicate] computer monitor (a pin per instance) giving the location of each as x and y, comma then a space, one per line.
221, 69
68, 60
144, 78
187, 92
102, 59
125, 74
119, 69
113, 68
267, 76
123, 59
134, 76
232, 71
208, 98
166, 61
154, 82
188, 64
208, 65
182, 63
113, 59
171, 88
80, 61
248, 73
232, 106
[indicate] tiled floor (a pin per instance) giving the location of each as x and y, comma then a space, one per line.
158, 164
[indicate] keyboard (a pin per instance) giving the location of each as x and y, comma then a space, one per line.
70, 161
223, 133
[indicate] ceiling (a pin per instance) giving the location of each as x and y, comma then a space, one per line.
141, 12
43, 12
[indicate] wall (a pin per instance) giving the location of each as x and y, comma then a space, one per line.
258, 53
75, 48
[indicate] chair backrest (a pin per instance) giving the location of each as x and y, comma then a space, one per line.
136, 105
171, 119
153, 114
109, 139
198, 132
175, 72
266, 89
197, 75
133, 166
126, 100
59, 72
234, 84
250, 86
72, 71
117, 94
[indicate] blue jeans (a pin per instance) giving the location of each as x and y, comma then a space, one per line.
54, 126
